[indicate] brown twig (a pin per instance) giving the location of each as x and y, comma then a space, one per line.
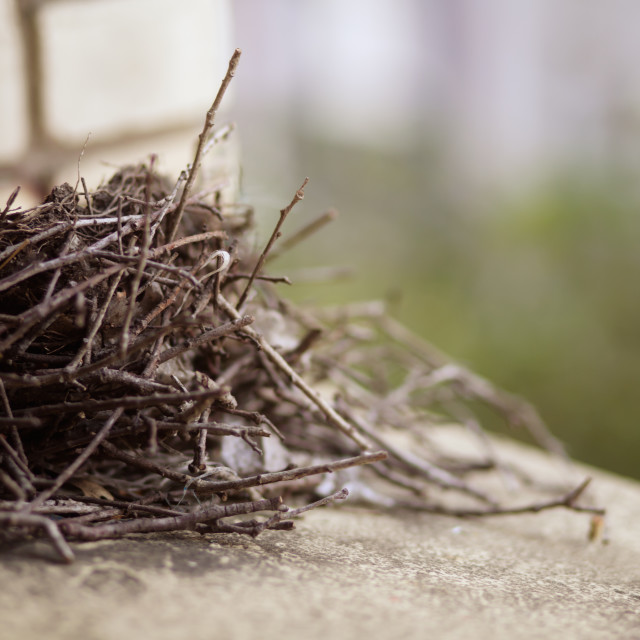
205, 487
169, 523
125, 402
173, 220
302, 234
205, 337
30, 521
10, 200
299, 195
567, 501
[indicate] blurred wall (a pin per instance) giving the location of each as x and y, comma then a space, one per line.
511, 88
126, 77
485, 158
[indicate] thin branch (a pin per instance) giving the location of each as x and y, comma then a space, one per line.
288, 514
10, 201
299, 195
115, 257
302, 234
95, 327
173, 220
430, 471
567, 501
223, 486
205, 337
205, 487
13, 428
169, 523
28, 520
126, 402
214, 428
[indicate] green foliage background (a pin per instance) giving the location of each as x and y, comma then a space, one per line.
538, 292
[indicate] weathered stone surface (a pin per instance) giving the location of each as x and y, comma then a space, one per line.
346, 572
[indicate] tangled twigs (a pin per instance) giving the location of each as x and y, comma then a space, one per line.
147, 361
207, 487
169, 523
79, 461
330, 413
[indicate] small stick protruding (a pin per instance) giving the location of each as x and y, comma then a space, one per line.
274, 236
173, 219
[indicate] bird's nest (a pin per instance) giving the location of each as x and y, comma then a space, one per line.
153, 379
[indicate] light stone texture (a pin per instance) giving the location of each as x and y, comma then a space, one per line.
123, 67
14, 124
347, 573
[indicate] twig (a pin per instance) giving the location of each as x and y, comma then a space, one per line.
214, 428
95, 327
223, 486
10, 200
28, 520
135, 283
205, 337
338, 495
433, 473
180, 242
7, 424
568, 501
173, 220
56, 275
126, 402
200, 450
222, 134
86, 191
126, 507
288, 514
169, 523
13, 428
17, 457
115, 257
302, 234
299, 195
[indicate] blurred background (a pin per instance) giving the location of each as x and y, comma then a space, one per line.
484, 157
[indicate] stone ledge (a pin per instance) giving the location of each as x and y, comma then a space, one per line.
347, 572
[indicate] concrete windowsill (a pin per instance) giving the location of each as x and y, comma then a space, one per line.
347, 572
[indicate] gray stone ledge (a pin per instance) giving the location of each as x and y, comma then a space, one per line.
346, 572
